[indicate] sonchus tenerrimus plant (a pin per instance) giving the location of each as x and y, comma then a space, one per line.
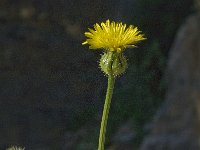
113, 38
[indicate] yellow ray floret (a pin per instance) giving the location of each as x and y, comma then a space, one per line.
113, 36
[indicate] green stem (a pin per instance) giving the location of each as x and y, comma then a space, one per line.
111, 81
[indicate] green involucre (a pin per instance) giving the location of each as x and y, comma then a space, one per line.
118, 63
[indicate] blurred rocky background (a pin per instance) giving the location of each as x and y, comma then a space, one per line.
52, 92
176, 125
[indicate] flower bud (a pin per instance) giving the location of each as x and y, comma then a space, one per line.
113, 63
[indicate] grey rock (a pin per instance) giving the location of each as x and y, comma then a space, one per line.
176, 125
123, 137
125, 134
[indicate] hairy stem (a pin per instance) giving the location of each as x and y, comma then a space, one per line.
111, 81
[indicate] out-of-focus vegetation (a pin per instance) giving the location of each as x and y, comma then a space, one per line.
15, 148
197, 4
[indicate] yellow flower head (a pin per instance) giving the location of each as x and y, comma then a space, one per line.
113, 36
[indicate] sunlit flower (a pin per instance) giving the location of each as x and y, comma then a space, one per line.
113, 36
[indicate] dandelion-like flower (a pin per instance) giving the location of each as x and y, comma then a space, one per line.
113, 36
15, 148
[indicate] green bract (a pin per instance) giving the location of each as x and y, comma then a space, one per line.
113, 63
